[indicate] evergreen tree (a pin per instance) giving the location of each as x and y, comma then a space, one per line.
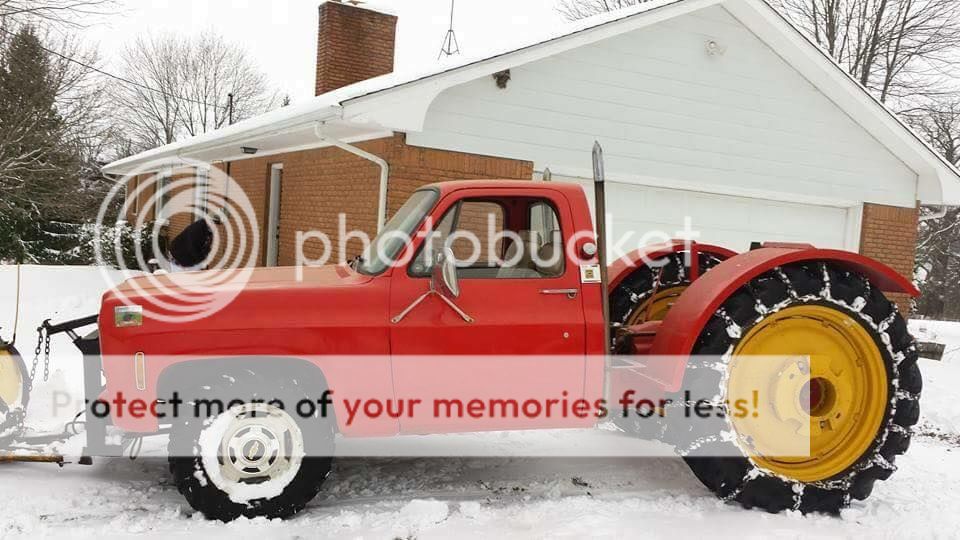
39, 166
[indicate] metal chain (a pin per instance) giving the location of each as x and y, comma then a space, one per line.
46, 358
43, 345
36, 356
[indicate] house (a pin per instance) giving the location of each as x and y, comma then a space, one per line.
719, 110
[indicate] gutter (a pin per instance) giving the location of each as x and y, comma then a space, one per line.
232, 135
382, 163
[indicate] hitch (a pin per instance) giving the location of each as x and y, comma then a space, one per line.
89, 345
931, 351
69, 328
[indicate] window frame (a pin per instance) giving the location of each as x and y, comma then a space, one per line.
499, 201
201, 190
163, 181
360, 269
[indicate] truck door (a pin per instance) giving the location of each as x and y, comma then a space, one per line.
526, 341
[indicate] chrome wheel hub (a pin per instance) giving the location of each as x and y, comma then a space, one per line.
256, 444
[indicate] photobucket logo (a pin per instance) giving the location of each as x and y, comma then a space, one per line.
184, 192
487, 250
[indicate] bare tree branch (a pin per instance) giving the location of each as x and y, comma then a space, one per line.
895, 48
182, 88
61, 12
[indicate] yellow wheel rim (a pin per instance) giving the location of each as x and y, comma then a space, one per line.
11, 379
826, 391
656, 307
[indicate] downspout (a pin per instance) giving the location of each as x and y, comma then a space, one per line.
384, 171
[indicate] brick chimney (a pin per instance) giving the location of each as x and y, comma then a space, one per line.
355, 43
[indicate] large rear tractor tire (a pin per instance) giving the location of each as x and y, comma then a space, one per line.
861, 395
14, 394
649, 292
255, 459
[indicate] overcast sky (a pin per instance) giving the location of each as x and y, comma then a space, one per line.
281, 34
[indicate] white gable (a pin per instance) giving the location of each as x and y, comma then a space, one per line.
744, 121
669, 113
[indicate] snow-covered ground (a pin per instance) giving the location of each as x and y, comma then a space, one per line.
463, 497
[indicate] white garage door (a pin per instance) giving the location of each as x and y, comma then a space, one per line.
732, 222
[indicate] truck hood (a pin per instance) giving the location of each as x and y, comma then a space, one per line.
245, 280
267, 312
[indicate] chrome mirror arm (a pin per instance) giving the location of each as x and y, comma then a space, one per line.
456, 308
423, 297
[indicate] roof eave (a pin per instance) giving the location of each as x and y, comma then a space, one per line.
938, 181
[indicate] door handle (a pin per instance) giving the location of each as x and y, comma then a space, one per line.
571, 293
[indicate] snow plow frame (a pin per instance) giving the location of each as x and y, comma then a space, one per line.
89, 345
686, 320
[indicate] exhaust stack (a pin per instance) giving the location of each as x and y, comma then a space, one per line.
600, 209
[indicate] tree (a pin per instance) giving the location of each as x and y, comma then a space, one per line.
895, 48
65, 12
182, 86
938, 247
581, 9
34, 163
50, 183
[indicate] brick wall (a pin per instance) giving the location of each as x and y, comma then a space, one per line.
179, 211
141, 186
889, 235
353, 44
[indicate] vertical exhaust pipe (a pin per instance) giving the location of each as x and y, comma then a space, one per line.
600, 209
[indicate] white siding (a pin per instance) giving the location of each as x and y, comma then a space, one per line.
669, 114
640, 215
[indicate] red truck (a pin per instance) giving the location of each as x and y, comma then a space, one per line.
375, 330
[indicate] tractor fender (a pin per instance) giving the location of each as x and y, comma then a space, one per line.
621, 268
684, 323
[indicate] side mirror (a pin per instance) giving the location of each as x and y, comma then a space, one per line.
443, 279
443, 283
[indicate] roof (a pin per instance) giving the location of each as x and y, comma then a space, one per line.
399, 101
445, 188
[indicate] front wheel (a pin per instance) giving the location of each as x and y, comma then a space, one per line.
258, 457
855, 405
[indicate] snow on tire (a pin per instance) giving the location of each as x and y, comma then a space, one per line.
792, 292
253, 459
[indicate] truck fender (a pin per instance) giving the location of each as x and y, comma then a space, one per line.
621, 268
686, 320
198, 371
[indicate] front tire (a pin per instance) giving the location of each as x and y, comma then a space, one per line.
811, 303
255, 459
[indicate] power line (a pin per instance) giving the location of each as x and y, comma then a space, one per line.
117, 77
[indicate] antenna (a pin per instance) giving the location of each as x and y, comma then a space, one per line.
450, 46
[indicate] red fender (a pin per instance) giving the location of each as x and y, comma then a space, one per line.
679, 331
624, 266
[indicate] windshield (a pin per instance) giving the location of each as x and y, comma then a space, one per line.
396, 233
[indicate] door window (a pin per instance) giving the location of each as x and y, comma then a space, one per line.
476, 233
